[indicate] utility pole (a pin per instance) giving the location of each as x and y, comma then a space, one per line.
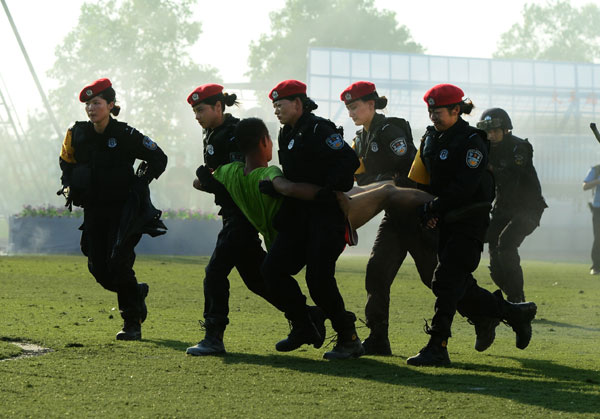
32, 70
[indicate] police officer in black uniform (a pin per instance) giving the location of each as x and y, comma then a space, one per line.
97, 160
519, 202
311, 233
386, 151
455, 157
238, 244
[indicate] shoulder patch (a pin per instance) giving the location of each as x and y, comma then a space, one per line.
399, 146
149, 144
474, 158
335, 141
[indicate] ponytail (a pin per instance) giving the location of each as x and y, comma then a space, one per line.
109, 95
381, 102
466, 106
308, 104
226, 99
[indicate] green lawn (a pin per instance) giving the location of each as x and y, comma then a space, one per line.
54, 302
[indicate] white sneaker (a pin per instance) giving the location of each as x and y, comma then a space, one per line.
594, 272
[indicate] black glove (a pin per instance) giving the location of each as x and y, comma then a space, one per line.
203, 174
426, 214
206, 178
266, 187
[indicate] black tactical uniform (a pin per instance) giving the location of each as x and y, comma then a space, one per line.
516, 214
98, 167
456, 161
238, 244
311, 233
386, 152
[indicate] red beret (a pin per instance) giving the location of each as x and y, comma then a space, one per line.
442, 95
203, 92
357, 90
94, 89
287, 88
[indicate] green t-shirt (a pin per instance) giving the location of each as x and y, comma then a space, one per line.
259, 209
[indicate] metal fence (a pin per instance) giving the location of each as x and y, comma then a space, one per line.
551, 103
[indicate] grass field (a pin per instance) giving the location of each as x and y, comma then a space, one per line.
54, 302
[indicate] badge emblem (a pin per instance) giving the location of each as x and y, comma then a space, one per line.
112, 142
195, 96
291, 144
443, 154
348, 96
474, 158
399, 146
210, 149
374, 147
274, 94
335, 141
149, 144
89, 92
431, 101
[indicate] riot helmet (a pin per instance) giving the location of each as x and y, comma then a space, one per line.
494, 118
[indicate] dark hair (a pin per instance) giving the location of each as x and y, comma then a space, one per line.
307, 103
110, 95
465, 106
380, 101
248, 134
226, 99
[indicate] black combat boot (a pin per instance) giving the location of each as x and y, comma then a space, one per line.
143, 289
212, 344
132, 330
519, 317
318, 317
435, 354
378, 342
303, 332
485, 331
348, 346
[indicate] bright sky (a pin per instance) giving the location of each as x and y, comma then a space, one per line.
44, 24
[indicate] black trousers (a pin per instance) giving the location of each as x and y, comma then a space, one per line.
239, 246
505, 234
395, 238
596, 245
100, 229
454, 286
316, 244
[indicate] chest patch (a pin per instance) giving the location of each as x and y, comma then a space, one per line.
149, 144
210, 149
335, 141
519, 160
443, 154
112, 142
399, 146
374, 147
291, 144
474, 158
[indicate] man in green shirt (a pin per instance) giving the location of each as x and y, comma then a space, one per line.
241, 181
